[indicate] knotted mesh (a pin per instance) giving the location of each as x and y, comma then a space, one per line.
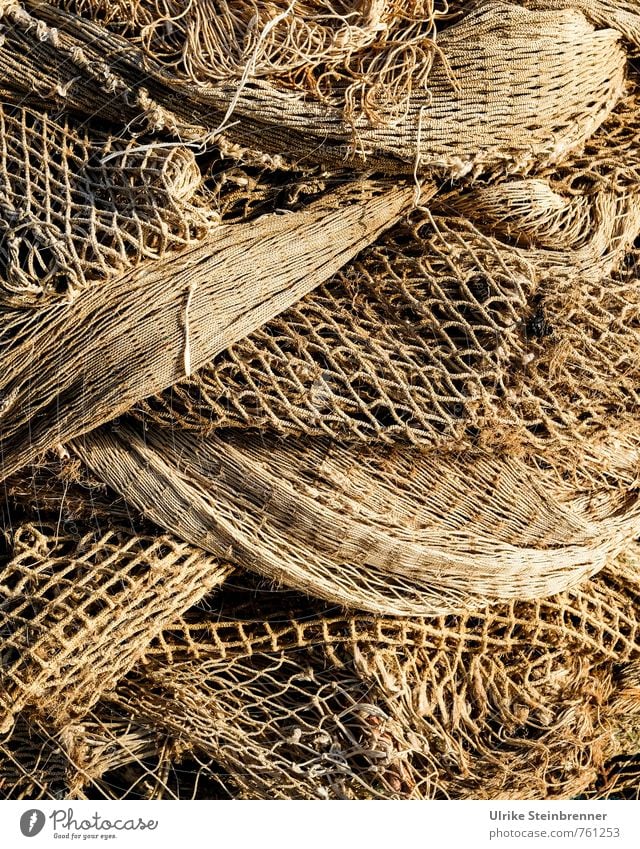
318, 407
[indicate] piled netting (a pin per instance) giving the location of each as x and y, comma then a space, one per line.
621, 779
434, 333
476, 116
78, 610
508, 703
343, 298
76, 366
388, 530
368, 56
104, 757
523, 326
79, 205
268, 695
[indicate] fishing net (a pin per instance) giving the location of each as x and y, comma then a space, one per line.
154, 323
387, 530
77, 610
366, 56
518, 321
435, 333
105, 757
268, 695
476, 116
409, 716
318, 406
68, 217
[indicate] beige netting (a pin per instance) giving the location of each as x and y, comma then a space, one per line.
320, 323
78, 611
511, 702
521, 323
151, 325
476, 115
81, 202
368, 56
437, 332
266, 695
68, 217
388, 530
107, 756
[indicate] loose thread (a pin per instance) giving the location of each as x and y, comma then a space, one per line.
416, 164
187, 336
250, 67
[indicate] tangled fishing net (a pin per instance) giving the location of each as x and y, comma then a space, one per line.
319, 400
269, 695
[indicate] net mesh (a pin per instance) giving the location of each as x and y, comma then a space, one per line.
522, 326
77, 610
68, 217
368, 57
573, 74
268, 695
318, 400
387, 530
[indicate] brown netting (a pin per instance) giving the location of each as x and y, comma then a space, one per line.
81, 201
622, 15
368, 57
79, 609
160, 320
267, 695
68, 217
513, 702
476, 116
374, 537
106, 756
436, 334
390, 530
523, 326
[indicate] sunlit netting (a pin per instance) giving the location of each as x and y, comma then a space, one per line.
319, 450
476, 116
265, 695
78, 610
389, 530
79, 205
68, 218
444, 328
620, 780
154, 323
105, 757
368, 56
432, 335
